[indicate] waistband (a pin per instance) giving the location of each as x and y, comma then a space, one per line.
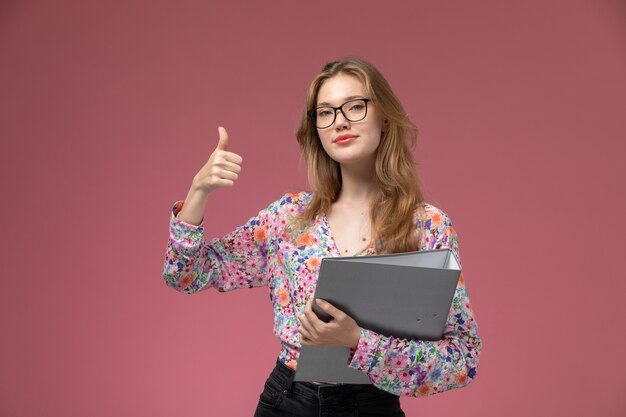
284, 375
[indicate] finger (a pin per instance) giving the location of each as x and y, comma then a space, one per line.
304, 334
229, 166
226, 160
304, 340
329, 308
307, 328
313, 322
304, 324
220, 183
233, 157
315, 326
310, 314
223, 142
227, 175
312, 318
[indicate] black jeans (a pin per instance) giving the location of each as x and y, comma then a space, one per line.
284, 397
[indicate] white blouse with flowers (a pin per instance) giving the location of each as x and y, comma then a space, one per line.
261, 253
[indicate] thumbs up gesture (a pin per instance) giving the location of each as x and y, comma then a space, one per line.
221, 170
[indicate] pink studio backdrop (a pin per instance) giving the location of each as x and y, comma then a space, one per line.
108, 108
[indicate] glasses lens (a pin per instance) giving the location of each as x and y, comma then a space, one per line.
324, 117
354, 110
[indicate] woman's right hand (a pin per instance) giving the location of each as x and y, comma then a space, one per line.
221, 170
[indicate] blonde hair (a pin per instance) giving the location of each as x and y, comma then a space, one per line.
398, 191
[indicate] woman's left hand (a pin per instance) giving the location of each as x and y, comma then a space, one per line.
342, 330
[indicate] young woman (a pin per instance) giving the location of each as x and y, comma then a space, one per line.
365, 199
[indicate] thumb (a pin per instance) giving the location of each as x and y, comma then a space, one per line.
223, 143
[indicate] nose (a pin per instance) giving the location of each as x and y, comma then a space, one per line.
340, 120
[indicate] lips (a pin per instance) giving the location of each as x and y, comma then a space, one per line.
343, 139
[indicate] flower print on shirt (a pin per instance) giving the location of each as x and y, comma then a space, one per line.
261, 253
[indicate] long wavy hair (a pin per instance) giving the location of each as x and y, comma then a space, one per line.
398, 191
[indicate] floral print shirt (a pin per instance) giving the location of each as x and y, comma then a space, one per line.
261, 253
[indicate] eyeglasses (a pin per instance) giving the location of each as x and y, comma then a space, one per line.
353, 110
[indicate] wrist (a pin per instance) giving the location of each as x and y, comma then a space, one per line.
355, 337
198, 188
193, 208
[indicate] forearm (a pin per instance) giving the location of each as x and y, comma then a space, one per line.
186, 260
236, 260
195, 204
415, 367
420, 367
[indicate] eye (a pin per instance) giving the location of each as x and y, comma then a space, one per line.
357, 106
324, 112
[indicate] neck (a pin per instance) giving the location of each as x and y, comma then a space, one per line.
358, 184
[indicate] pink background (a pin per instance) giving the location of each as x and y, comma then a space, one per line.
108, 108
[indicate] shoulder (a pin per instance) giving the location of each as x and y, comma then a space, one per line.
435, 227
301, 199
428, 216
290, 203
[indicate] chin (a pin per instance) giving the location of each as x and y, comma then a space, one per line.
355, 160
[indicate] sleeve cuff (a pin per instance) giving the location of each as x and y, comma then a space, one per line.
364, 356
184, 235
176, 209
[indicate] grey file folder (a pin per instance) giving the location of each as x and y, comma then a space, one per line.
406, 295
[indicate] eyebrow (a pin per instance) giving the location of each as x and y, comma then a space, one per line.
325, 103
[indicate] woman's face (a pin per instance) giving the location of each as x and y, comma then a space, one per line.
347, 142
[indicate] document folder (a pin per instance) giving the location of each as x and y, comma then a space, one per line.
404, 295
